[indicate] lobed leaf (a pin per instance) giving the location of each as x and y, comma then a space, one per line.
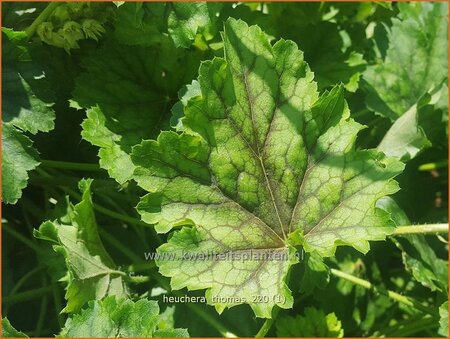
264, 164
314, 323
115, 317
125, 104
91, 273
415, 63
26, 107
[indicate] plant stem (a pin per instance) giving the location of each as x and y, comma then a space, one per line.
144, 266
42, 310
390, 294
119, 246
20, 282
76, 166
410, 327
421, 229
58, 304
267, 324
433, 165
137, 279
141, 266
20, 237
41, 18
208, 318
105, 210
201, 313
27, 295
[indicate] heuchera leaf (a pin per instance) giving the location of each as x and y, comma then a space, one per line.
146, 24
26, 107
443, 322
186, 19
10, 332
314, 324
119, 317
264, 165
91, 273
323, 47
415, 63
125, 102
316, 274
418, 255
405, 139
18, 157
420, 259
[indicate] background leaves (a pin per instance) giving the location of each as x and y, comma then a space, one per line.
101, 95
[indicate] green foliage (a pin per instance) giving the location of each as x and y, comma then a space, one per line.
256, 163
315, 275
415, 64
134, 101
443, 322
420, 259
71, 22
26, 101
405, 139
119, 317
246, 149
91, 273
18, 157
314, 323
413, 73
143, 23
10, 332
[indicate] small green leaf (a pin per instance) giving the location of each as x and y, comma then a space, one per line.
316, 274
443, 322
91, 273
119, 317
313, 324
10, 332
112, 157
421, 260
146, 24
186, 19
18, 158
262, 157
405, 139
139, 23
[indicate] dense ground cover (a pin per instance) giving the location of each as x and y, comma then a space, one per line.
316, 132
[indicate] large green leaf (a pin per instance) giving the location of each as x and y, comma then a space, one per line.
117, 318
264, 164
416, 61
314, 323
91, 273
